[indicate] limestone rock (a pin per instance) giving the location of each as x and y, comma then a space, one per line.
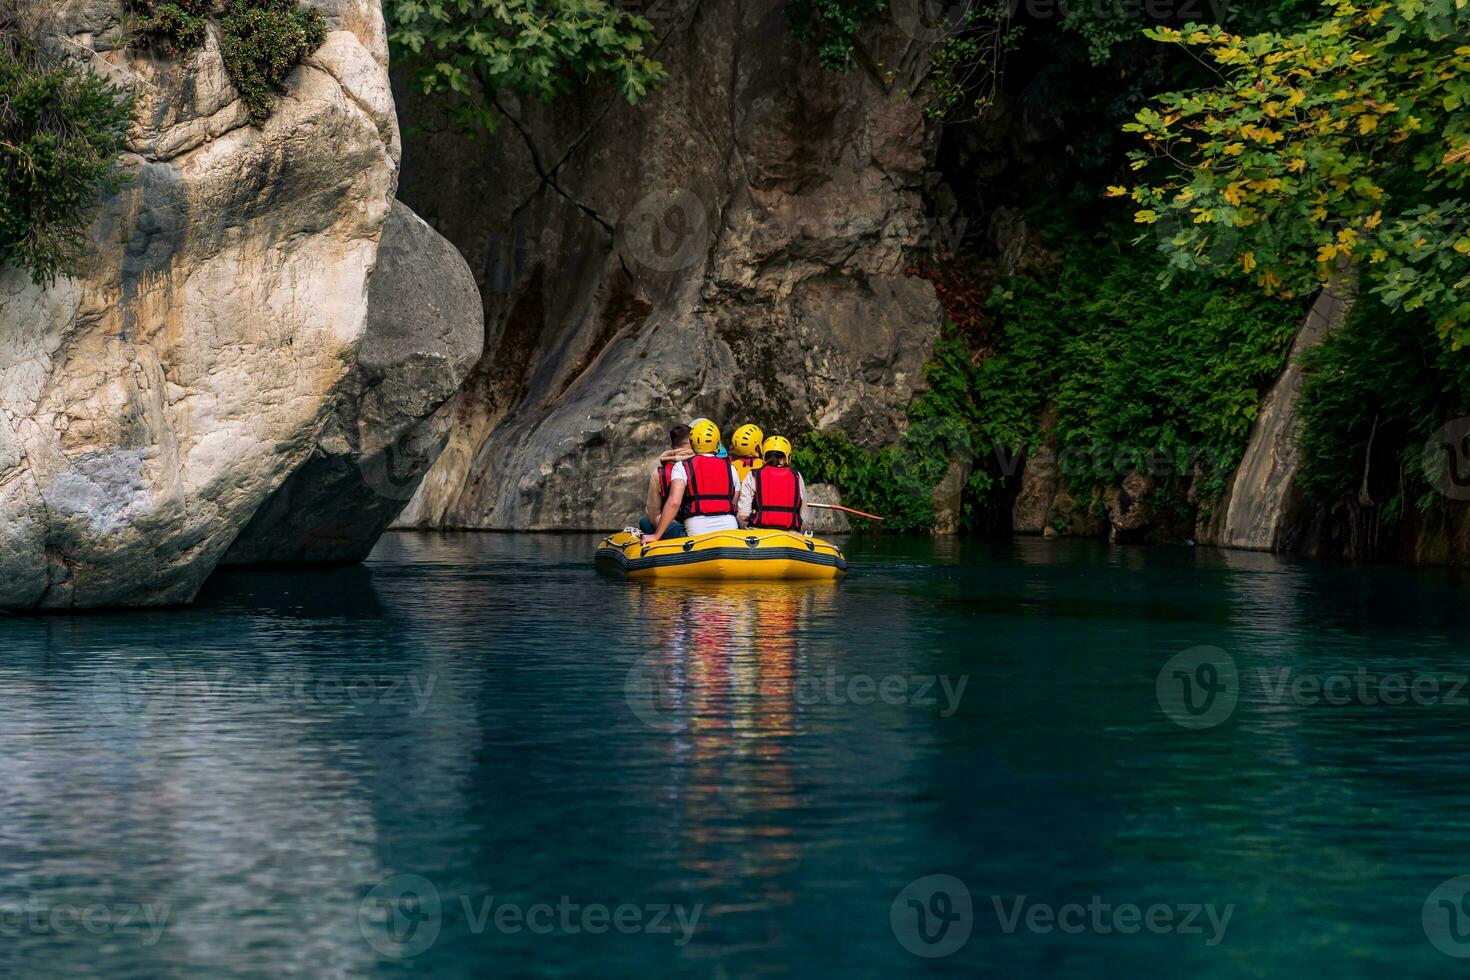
425, 331
824, 522
948, 496
1040, 481
734, 247
1263, 494
152, 403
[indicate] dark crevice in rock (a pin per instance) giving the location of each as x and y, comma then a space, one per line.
547, 177
622, 310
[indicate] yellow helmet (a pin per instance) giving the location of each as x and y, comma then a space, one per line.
777, 444
746, 441
704, 436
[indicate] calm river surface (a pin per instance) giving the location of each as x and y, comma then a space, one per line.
475, 755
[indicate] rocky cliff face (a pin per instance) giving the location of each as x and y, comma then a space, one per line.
734, 247
150, 405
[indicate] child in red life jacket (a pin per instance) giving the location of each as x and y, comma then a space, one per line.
771, 497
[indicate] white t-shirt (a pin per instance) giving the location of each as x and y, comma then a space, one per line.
700, 524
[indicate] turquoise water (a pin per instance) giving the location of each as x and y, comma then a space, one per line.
476, 755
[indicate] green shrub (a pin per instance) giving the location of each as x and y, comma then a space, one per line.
872, 481
261, 41
468, 51
1136, 373
174, 25
61, 130
1136, 376
897, 482
1375, 390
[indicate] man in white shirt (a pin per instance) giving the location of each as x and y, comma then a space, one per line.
711, 484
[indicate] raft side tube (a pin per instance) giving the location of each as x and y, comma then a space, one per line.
729, 555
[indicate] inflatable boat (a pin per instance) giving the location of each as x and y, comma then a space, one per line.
731, 555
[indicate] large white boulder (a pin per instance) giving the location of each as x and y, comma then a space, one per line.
152, 403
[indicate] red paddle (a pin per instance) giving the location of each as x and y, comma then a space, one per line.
849, 510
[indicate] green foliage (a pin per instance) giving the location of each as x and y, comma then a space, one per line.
897, 482
1139, 377
261, 41
470, 50
61, 130
1376, 388
1344, 142
870, 481
834, 25
1112, 29
174, 25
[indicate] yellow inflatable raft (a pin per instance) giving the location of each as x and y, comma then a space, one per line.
751, 554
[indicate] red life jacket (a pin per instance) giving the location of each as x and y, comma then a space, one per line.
711, 490
663, 490
777, 503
